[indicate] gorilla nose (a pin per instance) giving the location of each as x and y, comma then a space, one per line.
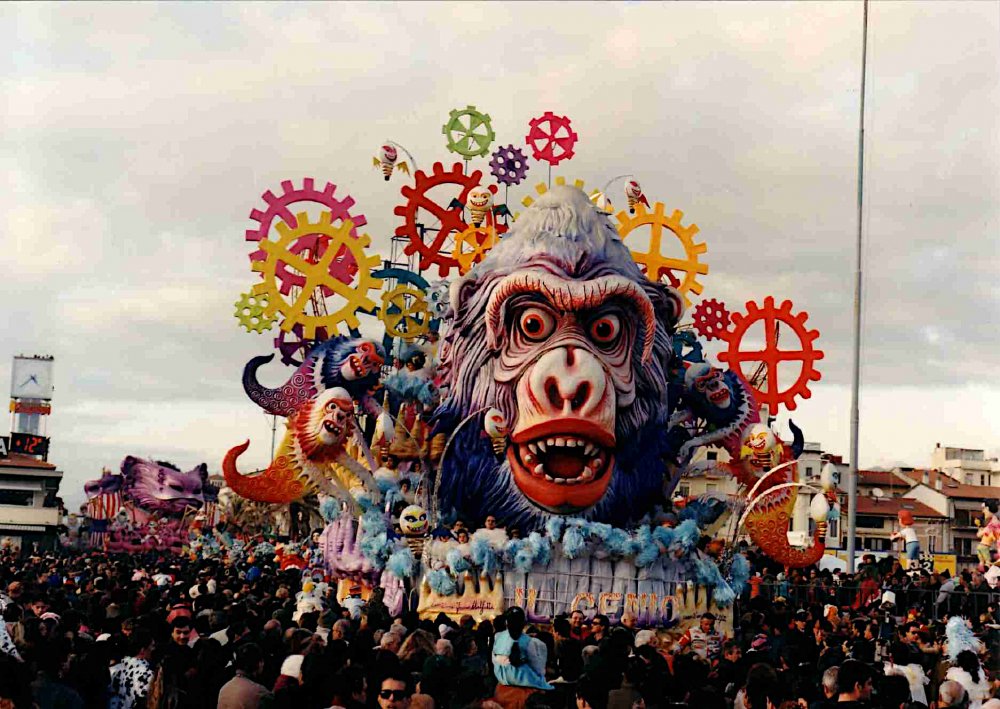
568, 381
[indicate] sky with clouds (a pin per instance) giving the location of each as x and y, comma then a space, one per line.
137, 137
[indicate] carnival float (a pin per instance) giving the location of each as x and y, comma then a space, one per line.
501, 409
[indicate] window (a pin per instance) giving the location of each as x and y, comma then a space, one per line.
869, 522
712, 455
964, 547
809, 471
21, 498
711, 487
982, 480
964, 518
684, 490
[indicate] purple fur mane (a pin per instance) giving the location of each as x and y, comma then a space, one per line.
563, 237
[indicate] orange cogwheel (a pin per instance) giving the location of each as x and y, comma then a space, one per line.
772, 395
654, 263
472, 245
441, 224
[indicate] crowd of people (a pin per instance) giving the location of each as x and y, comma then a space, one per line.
96, 630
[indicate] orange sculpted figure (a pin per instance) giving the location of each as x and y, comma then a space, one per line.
313, 444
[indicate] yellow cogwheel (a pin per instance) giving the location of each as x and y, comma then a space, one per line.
250, 312
349, 297
404, 312
472, 245
541, 188
654, 262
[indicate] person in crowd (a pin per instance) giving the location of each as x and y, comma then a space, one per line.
243, 691
855, 682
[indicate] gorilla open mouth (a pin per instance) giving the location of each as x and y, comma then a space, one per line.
357, 368
720, 398
333, 428
562, 472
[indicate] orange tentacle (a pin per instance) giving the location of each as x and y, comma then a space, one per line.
281, 483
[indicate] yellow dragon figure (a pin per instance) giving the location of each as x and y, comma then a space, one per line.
770, 520
311, 457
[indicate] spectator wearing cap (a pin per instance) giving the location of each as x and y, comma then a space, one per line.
354, 603
801, 641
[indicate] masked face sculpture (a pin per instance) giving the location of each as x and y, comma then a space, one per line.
760, 447
413, 521
558, 329
479, 198
708, 384
161, 487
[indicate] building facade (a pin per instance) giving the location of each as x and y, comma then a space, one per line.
29, 507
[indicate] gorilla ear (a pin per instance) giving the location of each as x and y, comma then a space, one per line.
202, 471
670, 307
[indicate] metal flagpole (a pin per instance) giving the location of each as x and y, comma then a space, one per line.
852, 473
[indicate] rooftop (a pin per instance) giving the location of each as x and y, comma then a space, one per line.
891, 506
883, 478
17, 460
951, 488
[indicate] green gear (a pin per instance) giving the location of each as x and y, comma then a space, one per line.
461, 130
250, 312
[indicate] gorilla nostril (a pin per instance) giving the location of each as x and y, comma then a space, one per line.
552, 393
581, 396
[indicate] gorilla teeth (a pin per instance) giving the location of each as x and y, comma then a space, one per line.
533, 447
541, 446
590, 450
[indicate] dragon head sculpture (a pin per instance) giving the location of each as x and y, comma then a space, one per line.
559, 330
353, 364
157, 486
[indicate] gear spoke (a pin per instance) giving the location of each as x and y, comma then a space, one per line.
657, 265
770, 316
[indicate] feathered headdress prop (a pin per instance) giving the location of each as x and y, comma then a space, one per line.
960, 637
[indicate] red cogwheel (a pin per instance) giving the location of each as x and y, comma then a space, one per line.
551, 138
441, 224
711, 319
771, 355
342, 266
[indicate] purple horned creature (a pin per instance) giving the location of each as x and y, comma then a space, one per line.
160, 488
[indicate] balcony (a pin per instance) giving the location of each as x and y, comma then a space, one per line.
13, 514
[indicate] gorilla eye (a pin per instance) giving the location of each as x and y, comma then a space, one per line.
331, 406
605, 329
536, 324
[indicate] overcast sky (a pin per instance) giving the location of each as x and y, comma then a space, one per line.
138, 137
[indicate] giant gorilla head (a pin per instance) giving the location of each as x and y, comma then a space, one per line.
560, 330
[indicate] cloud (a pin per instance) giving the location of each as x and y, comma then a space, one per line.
138, 137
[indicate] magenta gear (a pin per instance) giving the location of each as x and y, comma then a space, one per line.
554, 142
509, 165
293, 347
711, 319
280, 207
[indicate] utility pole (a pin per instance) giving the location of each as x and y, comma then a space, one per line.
852, 473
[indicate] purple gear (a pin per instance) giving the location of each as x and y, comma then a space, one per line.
509, 165
293, 347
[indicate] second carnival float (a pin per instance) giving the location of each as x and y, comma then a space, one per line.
516, 432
